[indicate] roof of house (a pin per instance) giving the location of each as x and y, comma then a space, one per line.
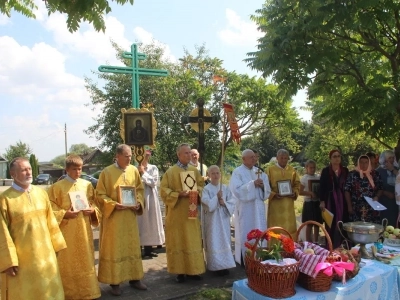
87, 158
2, 159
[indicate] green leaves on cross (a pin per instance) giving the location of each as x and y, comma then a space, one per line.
134, 56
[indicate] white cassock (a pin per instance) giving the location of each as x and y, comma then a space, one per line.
250, 207
150, 224
215, 222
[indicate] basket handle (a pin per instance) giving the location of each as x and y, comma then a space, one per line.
328, 238
253, 250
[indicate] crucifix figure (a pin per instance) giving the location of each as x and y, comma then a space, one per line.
258, 172
200, 121
134, 69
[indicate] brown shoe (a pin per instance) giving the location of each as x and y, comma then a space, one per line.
137, 284
116, 290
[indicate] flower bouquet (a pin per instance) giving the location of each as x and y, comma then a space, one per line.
275, 278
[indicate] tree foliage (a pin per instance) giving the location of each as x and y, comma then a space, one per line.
20, 149
257, 104
80, 149
91, 11
347, 53
34, 165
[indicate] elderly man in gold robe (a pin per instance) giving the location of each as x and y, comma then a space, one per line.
183, 236
285, 187
29, 240
120, 256
76, 263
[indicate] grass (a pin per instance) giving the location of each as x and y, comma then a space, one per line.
212, 294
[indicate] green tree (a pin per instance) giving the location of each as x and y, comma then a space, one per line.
20, 149
34, 164
347, 53
80, 149
92, 11
257, 104
59, 160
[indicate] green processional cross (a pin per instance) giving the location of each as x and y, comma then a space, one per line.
134, 69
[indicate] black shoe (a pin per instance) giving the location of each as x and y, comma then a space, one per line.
194, 277
144, 256
226, 272
220, 273
159, 246
151, 254
180, 278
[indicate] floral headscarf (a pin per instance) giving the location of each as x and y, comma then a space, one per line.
367, 172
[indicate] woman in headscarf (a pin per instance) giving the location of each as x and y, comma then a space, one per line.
363, 182
388, 171
332, 181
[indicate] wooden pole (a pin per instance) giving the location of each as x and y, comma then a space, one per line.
222, 151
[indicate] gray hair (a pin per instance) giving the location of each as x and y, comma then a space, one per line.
120, 148
182, 145
17, 160
247, 151
282, 152
212, 167
310, 162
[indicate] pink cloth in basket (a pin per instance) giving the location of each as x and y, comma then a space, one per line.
308, 262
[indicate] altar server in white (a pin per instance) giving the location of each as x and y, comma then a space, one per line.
218, 206
250, 187
151, 229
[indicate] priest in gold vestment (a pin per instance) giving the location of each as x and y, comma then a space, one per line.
182, 235
120, 257
29, 240
281, 208
76, 263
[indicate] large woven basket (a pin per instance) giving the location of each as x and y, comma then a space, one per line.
270, 280
355, 259
321, 282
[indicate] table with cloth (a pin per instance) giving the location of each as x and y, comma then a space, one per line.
374, 281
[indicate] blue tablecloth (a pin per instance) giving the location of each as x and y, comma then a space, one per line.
374, 281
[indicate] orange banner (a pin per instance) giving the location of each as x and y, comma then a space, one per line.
230, 113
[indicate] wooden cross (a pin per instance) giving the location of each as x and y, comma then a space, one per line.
134, 69
200, 119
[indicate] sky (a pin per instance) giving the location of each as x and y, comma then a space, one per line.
43, 65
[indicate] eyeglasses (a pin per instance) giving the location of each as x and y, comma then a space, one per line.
336, 156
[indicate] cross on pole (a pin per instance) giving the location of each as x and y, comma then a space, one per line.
134, 69
200, 119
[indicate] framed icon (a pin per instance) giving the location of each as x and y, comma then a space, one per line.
284, 188
127, 195
79, 200
188, 181
313, 186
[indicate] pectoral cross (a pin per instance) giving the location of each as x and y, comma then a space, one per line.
258, 172
363, 213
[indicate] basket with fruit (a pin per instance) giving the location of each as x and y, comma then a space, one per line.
392, 236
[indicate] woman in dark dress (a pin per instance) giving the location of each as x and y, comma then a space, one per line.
332, 181
363, 182
388, 171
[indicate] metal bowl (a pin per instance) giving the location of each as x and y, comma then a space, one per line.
363, 232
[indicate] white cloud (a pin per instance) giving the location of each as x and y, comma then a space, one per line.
34, 72
146, 38
239, 32
86, 40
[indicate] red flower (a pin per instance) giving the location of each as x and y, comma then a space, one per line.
254, 234
287, 243
248, 245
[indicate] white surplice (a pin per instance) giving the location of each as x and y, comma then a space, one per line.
250, 212
151, 229
215, 222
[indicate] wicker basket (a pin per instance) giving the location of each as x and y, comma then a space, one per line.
355, 259
321, 282
271, 280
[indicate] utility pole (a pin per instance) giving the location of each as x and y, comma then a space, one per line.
65, 140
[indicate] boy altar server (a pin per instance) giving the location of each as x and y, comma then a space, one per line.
218, 206
76, 263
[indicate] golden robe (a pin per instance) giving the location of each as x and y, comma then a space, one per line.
76, 263
281, 211
182, 235
120, 256
29, 239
